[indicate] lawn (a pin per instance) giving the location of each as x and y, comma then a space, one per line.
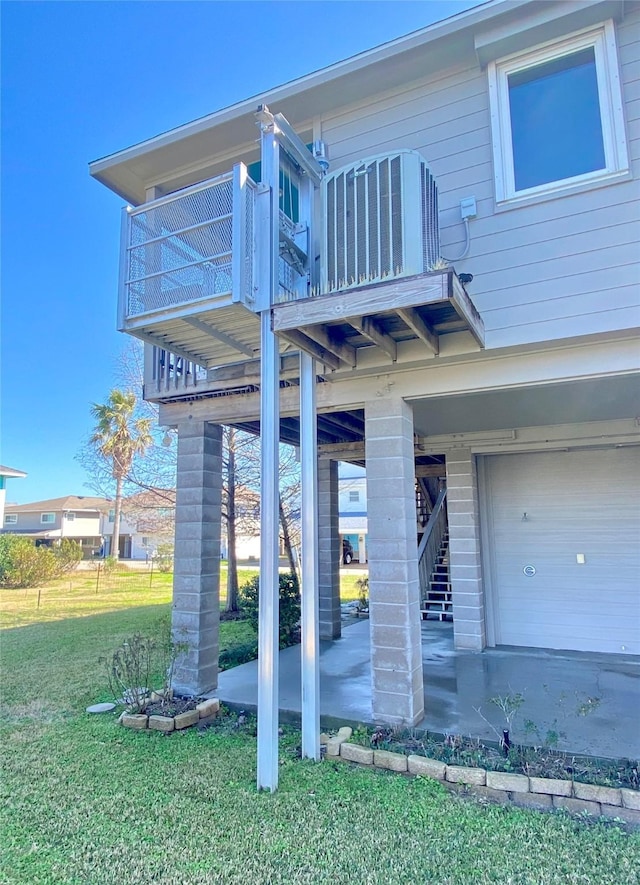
87, 802
88, 592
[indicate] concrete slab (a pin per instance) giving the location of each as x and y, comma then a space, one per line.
593, 699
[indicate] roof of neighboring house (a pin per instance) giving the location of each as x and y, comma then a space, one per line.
71, 502
151, 498
11, 471
33, 533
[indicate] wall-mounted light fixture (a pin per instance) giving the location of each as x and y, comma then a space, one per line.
525, 517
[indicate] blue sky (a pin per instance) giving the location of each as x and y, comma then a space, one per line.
81, 80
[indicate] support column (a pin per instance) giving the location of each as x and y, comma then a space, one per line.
394, 593
196, 576
329, 550
465, 568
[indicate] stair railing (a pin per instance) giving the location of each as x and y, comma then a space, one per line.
431, 542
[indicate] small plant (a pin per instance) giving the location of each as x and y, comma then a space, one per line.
163, 558
363, 593
109, 564
509, 705
129, 671
289, 606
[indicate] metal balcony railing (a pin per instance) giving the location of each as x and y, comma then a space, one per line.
195, 245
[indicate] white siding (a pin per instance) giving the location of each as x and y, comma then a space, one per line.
576, 503
564, 266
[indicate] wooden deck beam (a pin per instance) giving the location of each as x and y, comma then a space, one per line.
219, 336
383, 297
417, 325
371, 330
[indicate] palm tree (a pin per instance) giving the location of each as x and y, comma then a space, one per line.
118, 437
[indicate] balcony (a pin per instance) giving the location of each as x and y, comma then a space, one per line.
187, 272
190, 287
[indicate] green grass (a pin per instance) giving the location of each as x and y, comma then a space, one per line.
85, 802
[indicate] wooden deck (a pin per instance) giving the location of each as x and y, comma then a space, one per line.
333, 328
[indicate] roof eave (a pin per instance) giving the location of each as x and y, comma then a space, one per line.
117, 172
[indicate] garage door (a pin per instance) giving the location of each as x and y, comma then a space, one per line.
563, 531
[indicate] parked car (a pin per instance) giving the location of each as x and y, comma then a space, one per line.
347, 551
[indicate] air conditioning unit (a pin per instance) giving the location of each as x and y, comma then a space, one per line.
381, 220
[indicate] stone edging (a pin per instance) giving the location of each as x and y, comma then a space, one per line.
204, 713
498, 786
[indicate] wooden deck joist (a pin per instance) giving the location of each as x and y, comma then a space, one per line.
333, 327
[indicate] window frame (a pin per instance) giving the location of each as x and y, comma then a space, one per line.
11, 519
603, 41
47, 521
70, 515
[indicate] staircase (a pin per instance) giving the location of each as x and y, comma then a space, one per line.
437, 601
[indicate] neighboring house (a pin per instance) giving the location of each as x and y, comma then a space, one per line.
47, 522
352, 510
147, 522
501, 144
5, 474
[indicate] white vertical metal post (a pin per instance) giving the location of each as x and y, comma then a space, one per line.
268, 627
310, 602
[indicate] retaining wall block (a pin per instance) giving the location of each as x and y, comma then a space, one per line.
356, 753
208, 708
161, 723
487, 793
577, 806
457, 774
513, 783
608, 795
134, 720
630, 798
550, 785
334, 743
184, 720
390, 761
628, 815
541, 801
420, 765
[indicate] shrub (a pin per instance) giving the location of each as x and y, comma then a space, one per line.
289, 606
238, 654
163, 558
22, 564
68, 554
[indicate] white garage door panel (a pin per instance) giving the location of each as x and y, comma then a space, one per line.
575, 502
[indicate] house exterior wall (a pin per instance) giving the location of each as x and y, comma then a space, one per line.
83, 525
542, 271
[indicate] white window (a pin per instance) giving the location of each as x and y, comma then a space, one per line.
354, 497
70, 516
11, 518
556, 115
47, 517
